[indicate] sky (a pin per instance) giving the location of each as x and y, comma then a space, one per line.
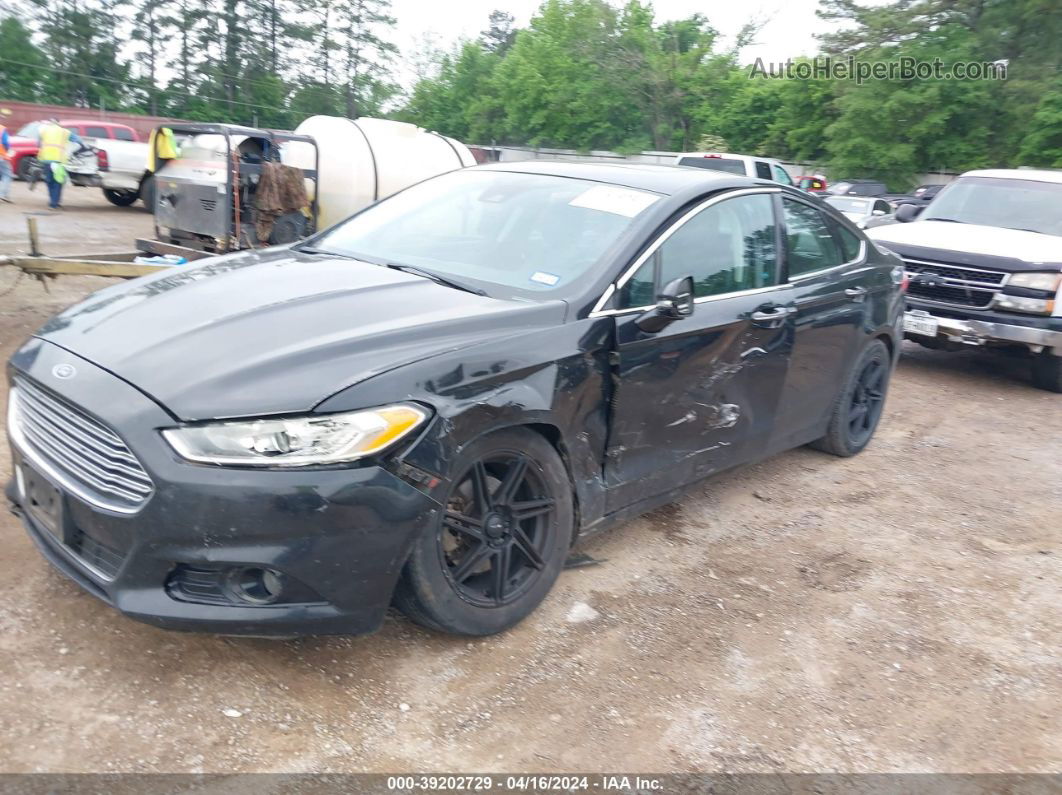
787, 33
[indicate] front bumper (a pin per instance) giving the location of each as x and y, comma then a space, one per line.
344, 534
1032, 331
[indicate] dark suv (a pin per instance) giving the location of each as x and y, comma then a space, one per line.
428, 403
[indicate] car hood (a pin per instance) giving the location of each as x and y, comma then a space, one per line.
250, 334
1032, 249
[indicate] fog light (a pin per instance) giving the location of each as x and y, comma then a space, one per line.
256, 586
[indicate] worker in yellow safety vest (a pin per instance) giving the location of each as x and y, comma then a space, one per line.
162, 146
53, 141
5, 159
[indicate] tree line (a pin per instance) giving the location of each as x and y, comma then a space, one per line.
263, 62
583, 74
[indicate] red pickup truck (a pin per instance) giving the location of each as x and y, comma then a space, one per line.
23, 144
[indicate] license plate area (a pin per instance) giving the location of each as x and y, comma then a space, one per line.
925, 325
42, 501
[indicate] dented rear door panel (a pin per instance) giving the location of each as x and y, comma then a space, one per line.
696, 398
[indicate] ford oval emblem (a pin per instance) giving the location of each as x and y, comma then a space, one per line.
64, 371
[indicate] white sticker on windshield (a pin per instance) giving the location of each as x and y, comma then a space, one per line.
610, 199
545, 278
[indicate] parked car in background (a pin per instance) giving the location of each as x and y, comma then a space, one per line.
863, 212
985, 266
121, 156
812, 183
123, 168
744, 165
483, 367
24, 142
921, 196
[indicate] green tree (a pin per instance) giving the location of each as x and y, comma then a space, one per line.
21, 76
1042, 144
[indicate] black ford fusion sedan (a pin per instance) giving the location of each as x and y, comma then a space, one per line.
428, 403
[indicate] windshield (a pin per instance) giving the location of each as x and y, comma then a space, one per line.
845, 205
727, 164
1008, 203
531, 232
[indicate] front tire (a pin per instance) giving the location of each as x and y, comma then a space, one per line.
120, 198
1047, 371
858, 408
500, 541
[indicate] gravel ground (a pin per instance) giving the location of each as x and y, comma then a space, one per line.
893, 612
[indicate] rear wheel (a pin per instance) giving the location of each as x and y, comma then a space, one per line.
500, 542
120, 198
25, 165
1047, 371
147, 193
859, 406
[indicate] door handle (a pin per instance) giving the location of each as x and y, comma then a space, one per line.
856, 292
771, 315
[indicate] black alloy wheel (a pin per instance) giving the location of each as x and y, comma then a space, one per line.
867, 401
495, 529
499, 541
859, 406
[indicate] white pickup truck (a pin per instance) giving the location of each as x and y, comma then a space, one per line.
123, 168
984, 260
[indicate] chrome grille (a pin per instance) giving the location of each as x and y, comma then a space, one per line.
954, 284
79, 447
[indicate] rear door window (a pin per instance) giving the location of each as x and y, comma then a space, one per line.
93, 131
810, 245
763, 170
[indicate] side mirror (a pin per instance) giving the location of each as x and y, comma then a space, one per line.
878, 212
907, 212
673, 303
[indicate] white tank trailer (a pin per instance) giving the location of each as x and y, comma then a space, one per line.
360, 161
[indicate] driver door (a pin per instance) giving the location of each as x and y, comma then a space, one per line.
700, 395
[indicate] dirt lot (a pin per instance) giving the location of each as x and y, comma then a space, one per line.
898, 611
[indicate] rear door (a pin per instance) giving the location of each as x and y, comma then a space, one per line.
700, 395
825, 265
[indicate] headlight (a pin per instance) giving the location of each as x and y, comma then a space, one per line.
1019, 303
299, 441
1035, 281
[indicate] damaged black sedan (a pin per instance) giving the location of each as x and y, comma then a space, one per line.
427, 404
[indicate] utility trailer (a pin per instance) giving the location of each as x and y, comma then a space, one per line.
207, 198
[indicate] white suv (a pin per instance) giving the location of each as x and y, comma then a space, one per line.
746, 165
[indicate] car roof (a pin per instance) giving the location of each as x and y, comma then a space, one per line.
1036, 174
94, 123
667, 180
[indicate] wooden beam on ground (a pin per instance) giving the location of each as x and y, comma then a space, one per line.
53, 266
